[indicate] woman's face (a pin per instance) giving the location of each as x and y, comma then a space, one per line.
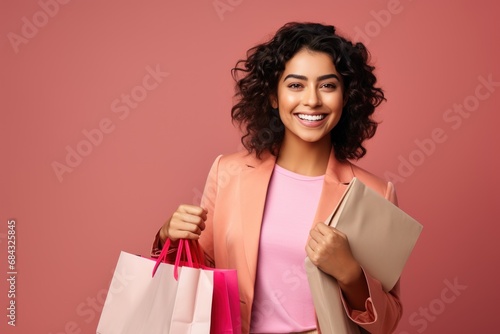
310, 97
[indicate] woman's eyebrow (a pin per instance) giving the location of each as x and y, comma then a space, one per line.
328, 76
303, 77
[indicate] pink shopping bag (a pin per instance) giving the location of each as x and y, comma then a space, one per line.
174, 300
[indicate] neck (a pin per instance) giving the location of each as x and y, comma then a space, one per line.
304, 158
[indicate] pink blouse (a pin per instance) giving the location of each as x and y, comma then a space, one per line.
283, 301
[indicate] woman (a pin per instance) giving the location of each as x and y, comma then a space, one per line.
306, 98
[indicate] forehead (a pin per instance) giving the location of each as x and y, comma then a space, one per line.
307, 61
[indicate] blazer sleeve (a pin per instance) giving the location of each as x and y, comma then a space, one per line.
383, 310
208, 202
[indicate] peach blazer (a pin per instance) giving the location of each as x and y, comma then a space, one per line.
235, 194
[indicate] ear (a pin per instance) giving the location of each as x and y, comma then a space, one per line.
274, 101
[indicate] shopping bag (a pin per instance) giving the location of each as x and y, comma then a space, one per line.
174, 299
226, 316
193, 307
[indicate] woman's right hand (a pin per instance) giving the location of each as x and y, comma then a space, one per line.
187, 222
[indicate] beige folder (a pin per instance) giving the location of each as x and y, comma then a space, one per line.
381, 237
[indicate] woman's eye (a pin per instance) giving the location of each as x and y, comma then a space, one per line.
294, 86
330, 85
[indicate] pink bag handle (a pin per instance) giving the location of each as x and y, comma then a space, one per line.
193, 251
183, 245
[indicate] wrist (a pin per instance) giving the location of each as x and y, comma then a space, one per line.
352, 277
162, 236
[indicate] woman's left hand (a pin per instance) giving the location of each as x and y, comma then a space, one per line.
329, 250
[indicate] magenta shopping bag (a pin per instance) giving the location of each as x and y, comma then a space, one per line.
226, 316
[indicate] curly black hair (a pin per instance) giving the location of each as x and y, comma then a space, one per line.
263, 68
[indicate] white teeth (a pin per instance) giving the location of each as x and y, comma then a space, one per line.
311, 117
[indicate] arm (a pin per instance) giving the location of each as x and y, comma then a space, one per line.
382, 310
364, 299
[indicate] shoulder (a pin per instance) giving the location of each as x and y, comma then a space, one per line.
241, 159
373, 181
236, 157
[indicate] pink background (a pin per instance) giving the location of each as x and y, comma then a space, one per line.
68, 74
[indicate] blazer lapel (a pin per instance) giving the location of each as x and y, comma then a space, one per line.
254, 184
337, 177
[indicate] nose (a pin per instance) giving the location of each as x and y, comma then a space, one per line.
311, 98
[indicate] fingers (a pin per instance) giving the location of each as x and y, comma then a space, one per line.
321, 231
187, 222
310, 252
329, 250
191, 214
193, 210
324, 238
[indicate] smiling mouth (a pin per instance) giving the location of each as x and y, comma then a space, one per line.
311, 118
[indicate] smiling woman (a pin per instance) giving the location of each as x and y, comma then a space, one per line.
262, 210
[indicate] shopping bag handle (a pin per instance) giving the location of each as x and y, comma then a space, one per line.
198, 261
183, 246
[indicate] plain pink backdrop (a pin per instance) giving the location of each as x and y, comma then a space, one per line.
65, 68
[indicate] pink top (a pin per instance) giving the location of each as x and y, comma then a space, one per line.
283, 301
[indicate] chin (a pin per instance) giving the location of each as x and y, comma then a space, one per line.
310, 140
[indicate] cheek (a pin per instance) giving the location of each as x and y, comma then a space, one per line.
336, 102
284, 115
288, 101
